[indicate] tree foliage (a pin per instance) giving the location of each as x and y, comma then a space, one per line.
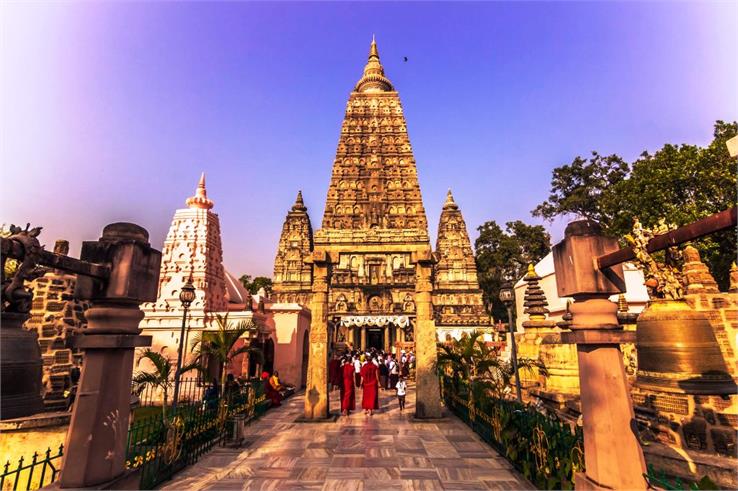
220, 345
254, 285
471, 360
680, 183
502, 255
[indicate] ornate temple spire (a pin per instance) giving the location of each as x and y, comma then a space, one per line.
299, 203
374, 79
535, 300
733, 279
450, 204
200, 199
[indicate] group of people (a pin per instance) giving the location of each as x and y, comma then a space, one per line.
273, 389
371, 371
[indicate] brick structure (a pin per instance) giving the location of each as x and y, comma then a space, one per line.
55, 315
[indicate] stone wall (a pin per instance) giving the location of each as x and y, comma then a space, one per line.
55, 314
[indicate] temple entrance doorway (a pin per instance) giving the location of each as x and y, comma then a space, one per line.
375, 339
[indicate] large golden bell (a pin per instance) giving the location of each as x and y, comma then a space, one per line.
678, 351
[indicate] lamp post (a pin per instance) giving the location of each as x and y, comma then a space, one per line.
507, 296
186, 296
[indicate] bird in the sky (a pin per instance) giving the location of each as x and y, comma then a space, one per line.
405, 58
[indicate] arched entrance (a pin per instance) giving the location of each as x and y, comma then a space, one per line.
305, 357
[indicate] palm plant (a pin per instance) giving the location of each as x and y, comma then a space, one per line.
159, 378
220, 346
470, 360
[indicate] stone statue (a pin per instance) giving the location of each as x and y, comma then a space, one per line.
663, 279
15, 296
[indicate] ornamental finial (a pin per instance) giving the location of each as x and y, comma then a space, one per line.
200, 199
450, 203
299, 203
373, 79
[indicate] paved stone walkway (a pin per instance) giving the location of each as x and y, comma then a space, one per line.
384, 451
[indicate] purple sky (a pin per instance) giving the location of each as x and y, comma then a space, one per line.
110, 111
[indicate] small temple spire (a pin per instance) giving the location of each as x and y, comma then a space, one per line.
373, 79
200, 199
450, 203
535, 300
299, 203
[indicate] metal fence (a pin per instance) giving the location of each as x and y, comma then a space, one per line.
545, 449
159, 447
190, 390
39, 472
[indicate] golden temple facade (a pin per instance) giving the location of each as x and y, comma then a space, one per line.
374, 232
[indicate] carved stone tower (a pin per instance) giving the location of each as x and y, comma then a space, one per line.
292, 275
192, 248
457, 298
372, 260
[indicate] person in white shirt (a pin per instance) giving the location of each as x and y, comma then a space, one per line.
357, 371
401, 391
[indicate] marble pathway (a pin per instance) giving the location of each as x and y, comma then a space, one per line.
385, 451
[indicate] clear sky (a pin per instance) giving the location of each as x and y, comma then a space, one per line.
110, 111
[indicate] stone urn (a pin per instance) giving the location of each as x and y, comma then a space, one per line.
678, 351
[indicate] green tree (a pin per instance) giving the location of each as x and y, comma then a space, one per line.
469, 359
220, 346
506, 254
680, 183
579, 188
162, 377
254, 285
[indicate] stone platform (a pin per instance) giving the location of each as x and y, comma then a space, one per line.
384, 451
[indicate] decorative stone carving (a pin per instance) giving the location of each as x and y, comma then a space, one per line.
292, 275
457, 298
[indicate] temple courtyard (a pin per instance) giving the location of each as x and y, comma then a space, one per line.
385, 451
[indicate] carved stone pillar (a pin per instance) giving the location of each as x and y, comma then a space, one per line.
363, 338
95, 447
386, 338
612, 453
316, 391
428, 402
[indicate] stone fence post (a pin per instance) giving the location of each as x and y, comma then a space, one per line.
95, 447
612, 453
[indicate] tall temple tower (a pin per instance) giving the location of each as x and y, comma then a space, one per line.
374, 233
372, 265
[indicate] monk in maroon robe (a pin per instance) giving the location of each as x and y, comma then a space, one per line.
348, 397
335, 376
370, 384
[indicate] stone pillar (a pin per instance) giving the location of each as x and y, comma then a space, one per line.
95, 446
363, 338
399, 335
428, 402
386, 338
613, 456
316, 390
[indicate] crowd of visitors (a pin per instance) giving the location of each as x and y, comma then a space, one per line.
371, 370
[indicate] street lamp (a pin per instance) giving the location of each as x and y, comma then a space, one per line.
186, 296
507, 296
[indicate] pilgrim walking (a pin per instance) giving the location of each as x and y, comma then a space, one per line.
370, 384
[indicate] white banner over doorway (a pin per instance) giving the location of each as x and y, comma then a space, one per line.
402, 321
